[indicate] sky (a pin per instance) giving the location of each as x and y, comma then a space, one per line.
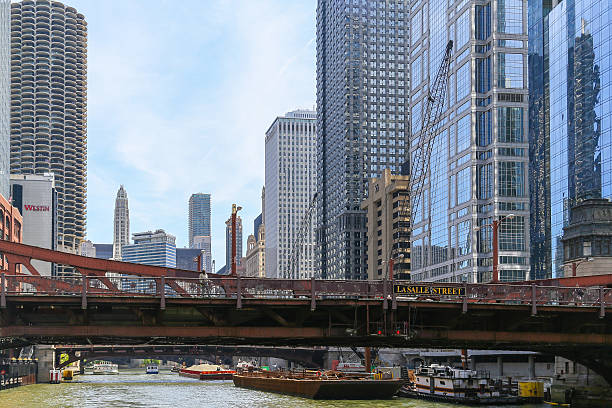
180, 95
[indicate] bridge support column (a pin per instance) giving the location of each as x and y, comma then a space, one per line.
313, 295
162, 293
84, 293
534, 310
531, 362
46, 361
602, 303
238, 293
500, 366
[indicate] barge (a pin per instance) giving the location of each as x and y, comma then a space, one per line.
327, 385
207, 372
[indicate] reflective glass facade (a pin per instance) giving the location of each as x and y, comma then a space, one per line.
580, 89
362, 119
479, 164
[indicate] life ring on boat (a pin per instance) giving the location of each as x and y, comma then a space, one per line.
318, 374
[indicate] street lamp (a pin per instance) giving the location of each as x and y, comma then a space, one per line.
576, 263
391, 263
235, 210
495, 226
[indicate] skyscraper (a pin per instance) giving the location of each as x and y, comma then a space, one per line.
199, 226
290, 187
228, 243
479, 163
121, 225
49, 106
570, 93
151, 248
362, 121
5, 96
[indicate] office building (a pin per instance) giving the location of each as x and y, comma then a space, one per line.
228, 243
199, 226
5, 96
362, 120
587, 239
187, 258
121, 223
49, 107
388, 214
290, 188
479, 163
88, 249
103, 251
151, 248
36, 199
255, 260
571, 119
259, 220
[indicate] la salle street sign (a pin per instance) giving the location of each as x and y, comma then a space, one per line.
428, 290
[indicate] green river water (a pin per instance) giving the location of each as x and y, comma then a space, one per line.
134, 389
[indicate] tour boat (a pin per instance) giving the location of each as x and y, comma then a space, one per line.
152, 369
447, 384
207, 372
324, 385
105, 367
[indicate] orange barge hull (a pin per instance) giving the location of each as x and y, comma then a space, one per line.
322, 389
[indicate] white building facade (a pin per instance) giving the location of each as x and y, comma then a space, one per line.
121, 235
36, 199
290, 187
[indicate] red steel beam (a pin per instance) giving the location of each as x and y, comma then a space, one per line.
499, 337
95, 264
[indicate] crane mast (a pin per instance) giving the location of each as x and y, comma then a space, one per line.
431, 121
299, 241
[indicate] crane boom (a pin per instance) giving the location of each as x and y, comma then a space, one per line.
299, 241
431, 121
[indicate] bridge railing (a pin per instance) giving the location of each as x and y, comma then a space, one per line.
245, 288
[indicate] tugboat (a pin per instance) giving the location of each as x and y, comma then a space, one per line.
447, 384
207, 372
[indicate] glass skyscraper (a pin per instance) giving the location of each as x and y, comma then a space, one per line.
199, 227
576, 79
362, 121
479, 163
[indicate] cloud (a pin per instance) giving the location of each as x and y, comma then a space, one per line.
180, 96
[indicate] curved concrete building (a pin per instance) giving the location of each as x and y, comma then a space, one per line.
49, 106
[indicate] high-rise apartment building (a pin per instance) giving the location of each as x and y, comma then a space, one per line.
228, 243
5, 96
362, 120
290, 188
479, 164
49, 106
388, 212
570, 108
199, 226
121, 223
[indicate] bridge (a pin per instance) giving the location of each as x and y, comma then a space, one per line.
164, 307
308, 357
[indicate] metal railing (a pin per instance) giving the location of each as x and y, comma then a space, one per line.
239, 289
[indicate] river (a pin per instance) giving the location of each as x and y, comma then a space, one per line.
134, 389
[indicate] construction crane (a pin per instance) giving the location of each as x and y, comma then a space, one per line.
431, 121
299, 241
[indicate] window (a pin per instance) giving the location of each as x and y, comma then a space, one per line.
465, 238
511, 179
483, 21
464, 186
512, 234
463, 133
510, 16
483, 75
462, 28
483, 128
485, 181
510, 125
463, 81
510, 70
